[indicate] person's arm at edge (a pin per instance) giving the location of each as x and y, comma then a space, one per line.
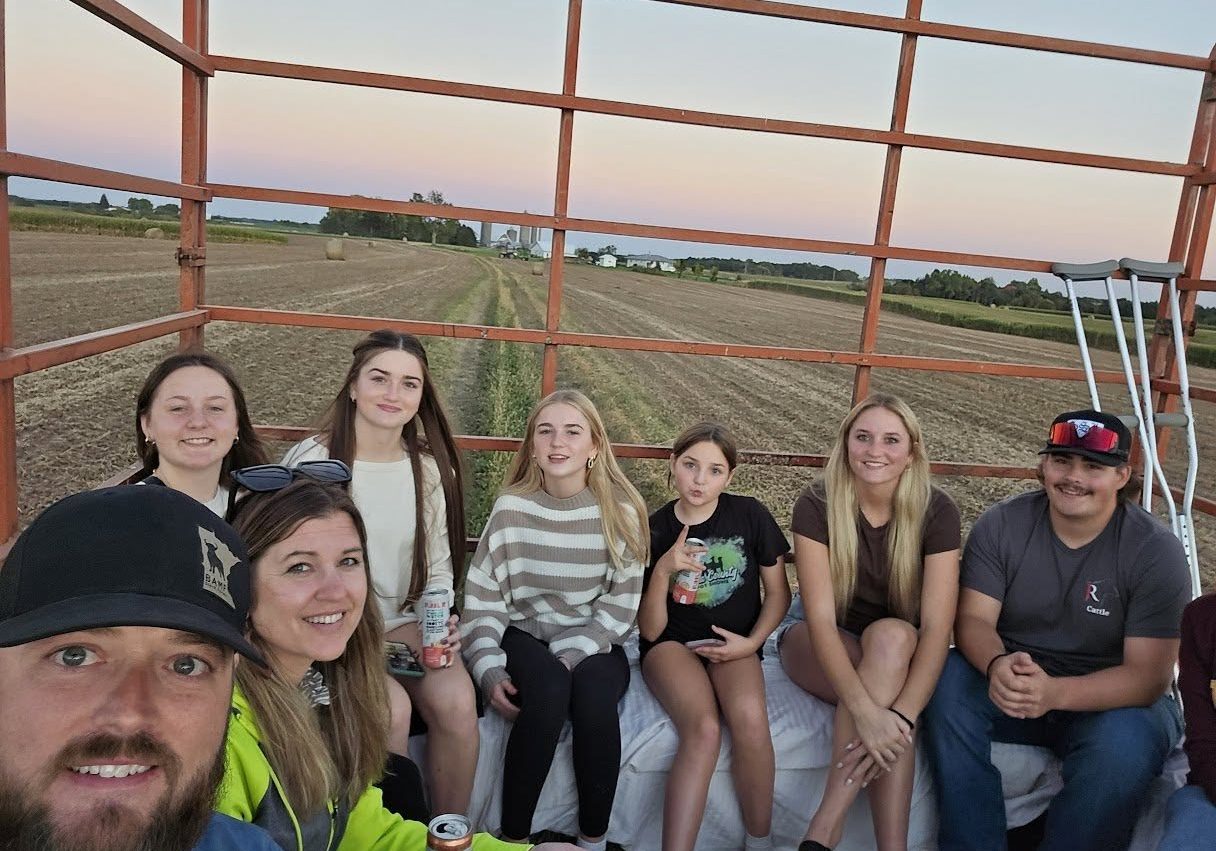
1195, 676
939, 601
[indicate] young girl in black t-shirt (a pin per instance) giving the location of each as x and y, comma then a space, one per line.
726, 624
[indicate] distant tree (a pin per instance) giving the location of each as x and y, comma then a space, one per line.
167, 211
104, 203
582, 254
607, 249
140, 206
713, 273
680, 268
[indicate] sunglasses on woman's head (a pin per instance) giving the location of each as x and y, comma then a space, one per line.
273, 477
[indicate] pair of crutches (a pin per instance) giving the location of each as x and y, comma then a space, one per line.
1144, 420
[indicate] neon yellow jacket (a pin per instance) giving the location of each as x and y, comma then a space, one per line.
252, 793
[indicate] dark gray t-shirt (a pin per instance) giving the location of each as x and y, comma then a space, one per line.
1071, 609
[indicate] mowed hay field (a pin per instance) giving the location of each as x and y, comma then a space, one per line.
76, 422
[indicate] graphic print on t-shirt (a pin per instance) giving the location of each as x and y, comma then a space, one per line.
725, 565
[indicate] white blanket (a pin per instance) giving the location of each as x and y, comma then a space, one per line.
801, 727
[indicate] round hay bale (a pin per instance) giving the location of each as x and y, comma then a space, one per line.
154, 233
334, 250
538, 268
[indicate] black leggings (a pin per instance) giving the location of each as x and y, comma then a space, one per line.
548, 695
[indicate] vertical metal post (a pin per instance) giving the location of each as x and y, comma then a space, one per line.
192, 249
8, 400
561, 198
886, 205
1189, 245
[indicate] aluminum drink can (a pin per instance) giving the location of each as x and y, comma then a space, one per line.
449, 833
434, 616
684, 591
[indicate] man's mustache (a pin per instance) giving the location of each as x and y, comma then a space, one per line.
142, 748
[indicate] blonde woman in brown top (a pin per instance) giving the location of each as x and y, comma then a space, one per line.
877, 550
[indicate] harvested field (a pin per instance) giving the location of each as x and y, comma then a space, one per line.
75, 422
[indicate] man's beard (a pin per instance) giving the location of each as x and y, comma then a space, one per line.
175, 823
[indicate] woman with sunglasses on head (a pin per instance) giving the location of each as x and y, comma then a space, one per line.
387, 423
550, 595
877, 550
192, 428
306, 739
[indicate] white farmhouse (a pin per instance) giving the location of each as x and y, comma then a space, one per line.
650, 261
608, 261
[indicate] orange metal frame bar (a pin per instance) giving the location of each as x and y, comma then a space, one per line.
1190, 240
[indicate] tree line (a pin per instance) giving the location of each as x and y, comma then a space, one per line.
435, 230
950, 284
139, 207
801, 271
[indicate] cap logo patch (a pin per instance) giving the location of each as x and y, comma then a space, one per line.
218, 562
1082, 427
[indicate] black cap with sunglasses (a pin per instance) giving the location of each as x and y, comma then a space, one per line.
1095, 435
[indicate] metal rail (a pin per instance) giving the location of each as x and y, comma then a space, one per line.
1189, 243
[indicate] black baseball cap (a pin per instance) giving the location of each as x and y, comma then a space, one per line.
1091, 434
127, 556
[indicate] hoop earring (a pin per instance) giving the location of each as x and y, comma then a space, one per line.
591, 462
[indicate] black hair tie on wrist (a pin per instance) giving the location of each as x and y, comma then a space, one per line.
992, 661
911, 724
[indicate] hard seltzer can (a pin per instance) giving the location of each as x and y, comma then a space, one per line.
684, 591
449, 833
434, 616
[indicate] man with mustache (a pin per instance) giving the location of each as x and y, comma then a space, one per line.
121, 613
1067, 633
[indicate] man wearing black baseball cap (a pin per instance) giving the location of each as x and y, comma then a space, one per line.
1067, 635
121, 612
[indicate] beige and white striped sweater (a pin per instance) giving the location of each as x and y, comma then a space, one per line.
542, 566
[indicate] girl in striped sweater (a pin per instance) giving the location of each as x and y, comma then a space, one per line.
550, 595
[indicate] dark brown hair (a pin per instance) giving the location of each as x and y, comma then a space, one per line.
318, 755
716, 433
245, 452
435, 437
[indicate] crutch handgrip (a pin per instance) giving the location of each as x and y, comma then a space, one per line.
1151, 271
1173, 420
1085, 271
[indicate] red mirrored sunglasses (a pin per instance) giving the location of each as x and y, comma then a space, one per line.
1080, 434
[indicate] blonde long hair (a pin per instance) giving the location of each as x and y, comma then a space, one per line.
905, 529
328, 753
613, 491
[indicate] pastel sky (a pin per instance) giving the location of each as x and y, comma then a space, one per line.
80, 91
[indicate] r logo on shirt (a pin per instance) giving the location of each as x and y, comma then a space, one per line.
1093, 599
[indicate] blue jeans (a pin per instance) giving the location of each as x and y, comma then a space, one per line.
1190, 821
1110, 758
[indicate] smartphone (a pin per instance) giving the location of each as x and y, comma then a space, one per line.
401, 660
704, 642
